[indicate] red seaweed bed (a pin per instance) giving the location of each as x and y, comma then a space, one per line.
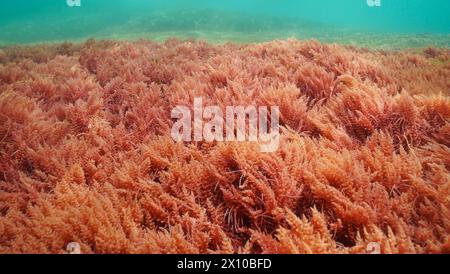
86, 154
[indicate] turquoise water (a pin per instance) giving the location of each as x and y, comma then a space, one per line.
396, 23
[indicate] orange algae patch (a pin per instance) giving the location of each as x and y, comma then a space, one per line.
86, 155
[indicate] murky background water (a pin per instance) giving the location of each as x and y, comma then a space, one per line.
396, 23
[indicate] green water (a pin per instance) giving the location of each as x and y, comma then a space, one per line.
396, 23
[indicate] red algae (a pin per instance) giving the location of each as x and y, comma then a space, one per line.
86, 155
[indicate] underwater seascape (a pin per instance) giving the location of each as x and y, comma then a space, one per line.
94, 94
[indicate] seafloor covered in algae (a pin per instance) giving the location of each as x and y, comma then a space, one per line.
86, 154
